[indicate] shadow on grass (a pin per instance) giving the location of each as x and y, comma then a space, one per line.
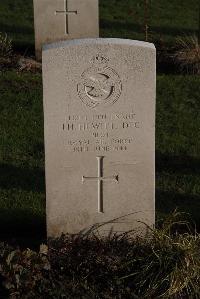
133, 27
120, 25
12, 29
26, 49
19, 226
22, 227
177, 164
23, 178
168, 201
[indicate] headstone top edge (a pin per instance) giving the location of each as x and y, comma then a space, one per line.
98, 41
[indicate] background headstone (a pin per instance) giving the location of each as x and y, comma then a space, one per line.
99, 109
57, 20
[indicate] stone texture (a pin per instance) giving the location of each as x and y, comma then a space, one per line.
99, 117
52, 24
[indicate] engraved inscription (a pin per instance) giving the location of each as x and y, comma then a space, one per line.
100, 179
100, 126
100, 85
105, 132
66, 12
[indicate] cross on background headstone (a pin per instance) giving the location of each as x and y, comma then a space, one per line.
59, 20
100, 178
66, 12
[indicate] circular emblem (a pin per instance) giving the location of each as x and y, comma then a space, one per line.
100, 85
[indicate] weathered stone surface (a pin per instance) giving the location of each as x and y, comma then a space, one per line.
57, 20
99, 109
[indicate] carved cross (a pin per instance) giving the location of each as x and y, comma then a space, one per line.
100, 179
66, 12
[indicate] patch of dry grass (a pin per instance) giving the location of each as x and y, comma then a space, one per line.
165, 265
187, 56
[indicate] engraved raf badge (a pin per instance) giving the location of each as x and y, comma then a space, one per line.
100, 85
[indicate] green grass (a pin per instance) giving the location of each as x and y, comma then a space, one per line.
22, 193
167, 19
178, 144
22, 185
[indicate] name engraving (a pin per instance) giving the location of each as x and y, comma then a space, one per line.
100, 126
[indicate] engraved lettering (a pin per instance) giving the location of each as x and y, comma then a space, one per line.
123, 116
83, 127
100, 116
102, 132
122, 141
97, 126
78, 142
74, 117
103, 148
125, 125
80, 149
120, 148
137, 125
71, 127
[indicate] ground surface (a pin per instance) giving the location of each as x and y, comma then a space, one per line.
22, 184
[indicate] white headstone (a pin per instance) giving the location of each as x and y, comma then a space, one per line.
99, 117
57, 20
